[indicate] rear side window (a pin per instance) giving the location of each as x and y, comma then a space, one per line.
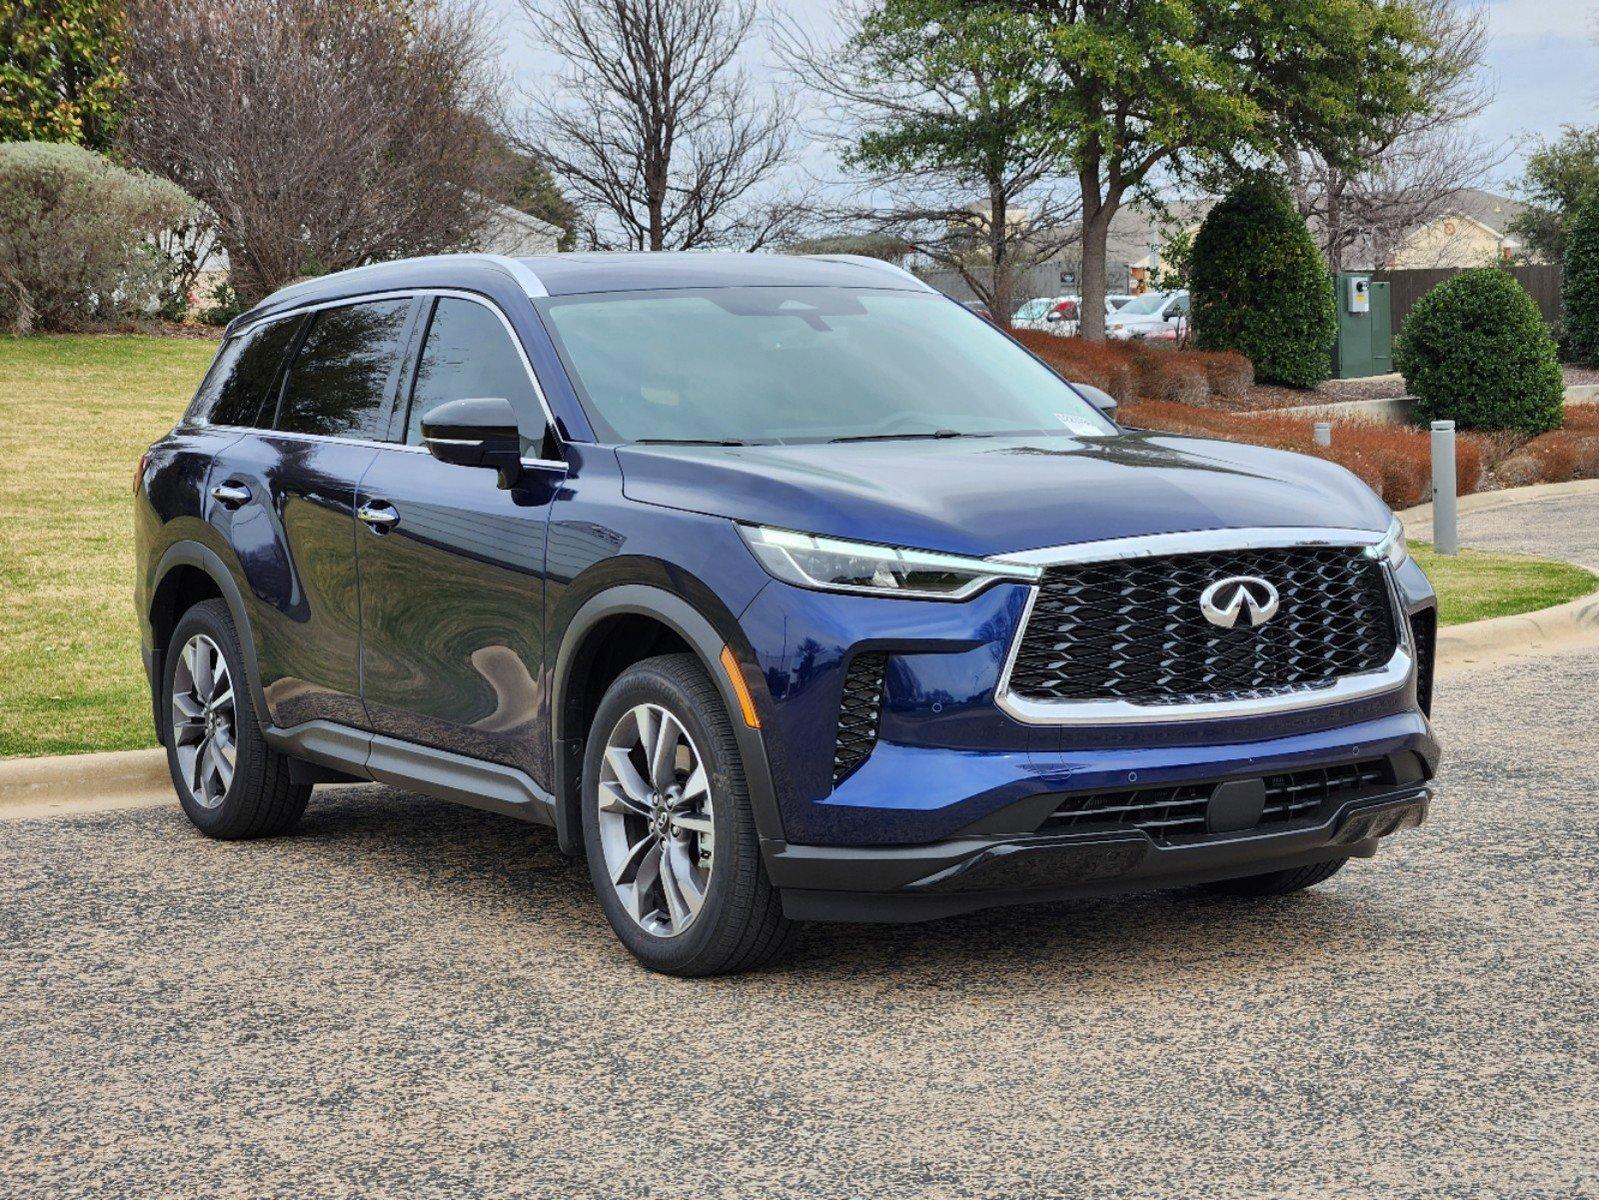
469, 354
243, 374
339, 383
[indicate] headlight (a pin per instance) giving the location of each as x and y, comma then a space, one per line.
838, 566
1392, 548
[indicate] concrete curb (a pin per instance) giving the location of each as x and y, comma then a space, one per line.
1545, 631
31, 787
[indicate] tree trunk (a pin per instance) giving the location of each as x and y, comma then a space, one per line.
1096, 233
1335, 225
1000, 288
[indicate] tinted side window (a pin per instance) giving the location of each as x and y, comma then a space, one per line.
340, 379
244, 372
469, 354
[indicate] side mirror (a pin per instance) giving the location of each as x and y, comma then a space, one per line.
476, 433
1104, 401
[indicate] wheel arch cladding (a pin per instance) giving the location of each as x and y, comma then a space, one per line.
187, 574
608, 633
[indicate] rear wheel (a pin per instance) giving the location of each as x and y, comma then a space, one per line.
668, 829
1279, 883
229, 781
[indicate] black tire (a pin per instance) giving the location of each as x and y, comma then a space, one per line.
740, 926
1279, 883
259, 800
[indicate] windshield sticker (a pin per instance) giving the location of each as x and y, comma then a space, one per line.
1079, 425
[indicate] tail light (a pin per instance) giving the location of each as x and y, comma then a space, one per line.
138, 472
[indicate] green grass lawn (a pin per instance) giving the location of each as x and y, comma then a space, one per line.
76, 412
1473, 585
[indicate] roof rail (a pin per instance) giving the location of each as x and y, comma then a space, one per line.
518, 270
866, 260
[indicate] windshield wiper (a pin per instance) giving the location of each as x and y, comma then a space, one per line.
894, 437
691, 442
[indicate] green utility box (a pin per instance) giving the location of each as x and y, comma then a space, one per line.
1365, 344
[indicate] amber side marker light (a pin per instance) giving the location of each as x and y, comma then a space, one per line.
735, 676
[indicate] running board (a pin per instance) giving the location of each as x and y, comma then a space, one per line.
438, 773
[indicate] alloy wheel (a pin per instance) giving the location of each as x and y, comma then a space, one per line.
655, 820
203, 721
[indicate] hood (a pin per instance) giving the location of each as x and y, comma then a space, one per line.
986, 496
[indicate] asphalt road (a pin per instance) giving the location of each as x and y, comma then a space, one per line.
411, 999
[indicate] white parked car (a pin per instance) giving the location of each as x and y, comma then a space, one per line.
1152, 315
1057, 315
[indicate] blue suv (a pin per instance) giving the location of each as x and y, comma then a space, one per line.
784, 589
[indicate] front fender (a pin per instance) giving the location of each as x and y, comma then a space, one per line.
706, 632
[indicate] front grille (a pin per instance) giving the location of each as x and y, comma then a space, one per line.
1132, 629
858, 713
1178, 812
1424, 635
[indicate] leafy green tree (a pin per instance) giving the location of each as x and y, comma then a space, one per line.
60, 71
1579, 282
533, 190
1152, 86
1558, 175
1260, 288
1475, 350
939, 108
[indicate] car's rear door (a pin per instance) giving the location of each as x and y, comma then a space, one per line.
452, 566
293, 488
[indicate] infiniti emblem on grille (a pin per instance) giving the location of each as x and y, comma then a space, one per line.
1224, 600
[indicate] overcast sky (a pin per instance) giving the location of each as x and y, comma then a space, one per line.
1542, 60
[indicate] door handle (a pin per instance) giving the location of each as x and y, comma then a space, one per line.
231, 495
378, 516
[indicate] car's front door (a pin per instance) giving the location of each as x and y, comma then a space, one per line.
451, 565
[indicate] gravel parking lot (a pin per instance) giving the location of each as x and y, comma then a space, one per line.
407, 998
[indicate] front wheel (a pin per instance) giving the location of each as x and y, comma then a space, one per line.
668, 829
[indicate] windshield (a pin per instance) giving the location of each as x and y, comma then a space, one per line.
801, 364
1032, 310
1143, 306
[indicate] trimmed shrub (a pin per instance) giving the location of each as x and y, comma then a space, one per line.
1475, 350
1104, 365
75, 236
1170, 375
1580, 282
1259, 287
1230, 375
1393, 460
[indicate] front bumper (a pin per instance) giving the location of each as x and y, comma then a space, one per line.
919, 883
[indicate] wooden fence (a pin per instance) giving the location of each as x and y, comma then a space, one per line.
1407, 287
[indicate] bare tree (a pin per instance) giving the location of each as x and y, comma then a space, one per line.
939, 121
655, 128
322, 133
1417, 164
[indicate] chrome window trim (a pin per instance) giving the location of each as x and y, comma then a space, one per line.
526, 277
403, 294
1393, 675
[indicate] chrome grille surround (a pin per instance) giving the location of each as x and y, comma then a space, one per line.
1115, 711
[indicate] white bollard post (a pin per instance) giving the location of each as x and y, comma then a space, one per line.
1323, 433
1445, 534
